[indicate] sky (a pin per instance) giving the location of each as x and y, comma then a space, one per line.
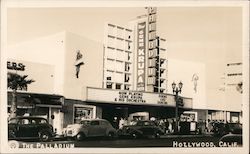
211, 35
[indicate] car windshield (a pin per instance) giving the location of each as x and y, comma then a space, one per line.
85, 122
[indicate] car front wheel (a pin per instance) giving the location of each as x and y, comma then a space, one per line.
134, 135
111, 135
80, 137
157, 135
44, 136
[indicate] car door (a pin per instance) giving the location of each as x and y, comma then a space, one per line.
25, 128
105, 126
147, 128
12, 128
94, 128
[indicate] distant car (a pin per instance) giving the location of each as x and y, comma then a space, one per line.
234, 128
221, 129
145, 128
90, 128
231, 138
30, 128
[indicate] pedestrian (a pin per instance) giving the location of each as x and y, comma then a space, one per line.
121, 123
170, 126
115, 123
166, 125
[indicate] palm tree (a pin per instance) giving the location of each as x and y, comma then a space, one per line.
16, 82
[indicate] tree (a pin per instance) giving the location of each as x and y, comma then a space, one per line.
16, 82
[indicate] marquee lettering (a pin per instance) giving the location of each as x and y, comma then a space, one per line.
141, 56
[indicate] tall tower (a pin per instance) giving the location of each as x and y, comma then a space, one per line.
150, 57
135, 58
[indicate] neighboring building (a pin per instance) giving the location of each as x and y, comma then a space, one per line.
193, 76
231, 85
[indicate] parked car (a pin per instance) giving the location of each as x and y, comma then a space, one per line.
90, 128
30, 128
221, 129
231, 139
145, 128
234, 128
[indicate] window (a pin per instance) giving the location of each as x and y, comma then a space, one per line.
109, 85
42, 121
128, 56
128, 45
81, 113
85, 122
109, 78
13, 121
94, 123
127, 67
24, 122
104, 123
161, 90
126, 87
118, 86
33, 121
161, 72
126, 78
155, 89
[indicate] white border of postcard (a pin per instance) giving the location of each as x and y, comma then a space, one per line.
140, 3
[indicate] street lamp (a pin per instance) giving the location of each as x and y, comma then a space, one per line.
176, 91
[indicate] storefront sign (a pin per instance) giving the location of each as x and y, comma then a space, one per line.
141, 56
133, 97
15, 66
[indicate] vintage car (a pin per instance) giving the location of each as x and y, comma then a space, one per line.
231, 139
90, 128
30, 128
221, 129
144, 128
234, 128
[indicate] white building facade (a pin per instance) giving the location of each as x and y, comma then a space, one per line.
128, 75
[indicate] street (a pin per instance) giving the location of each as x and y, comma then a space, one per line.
181, 141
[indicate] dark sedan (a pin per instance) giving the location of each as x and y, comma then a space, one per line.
144, 128
30, 128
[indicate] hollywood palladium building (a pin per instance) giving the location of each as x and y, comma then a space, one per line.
127, 76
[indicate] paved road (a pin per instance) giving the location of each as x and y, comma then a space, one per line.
165, 141
160, 142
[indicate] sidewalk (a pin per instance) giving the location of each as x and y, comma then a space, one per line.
185, 135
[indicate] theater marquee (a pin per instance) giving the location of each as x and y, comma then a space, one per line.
133, 97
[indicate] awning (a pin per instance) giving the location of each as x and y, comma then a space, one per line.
30, 100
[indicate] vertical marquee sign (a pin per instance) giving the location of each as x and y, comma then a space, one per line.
152, 48
141, 56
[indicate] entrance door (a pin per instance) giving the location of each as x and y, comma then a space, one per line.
57, 121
